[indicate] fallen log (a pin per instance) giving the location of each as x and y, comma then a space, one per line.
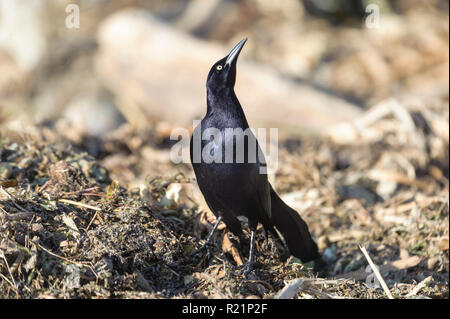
159, 74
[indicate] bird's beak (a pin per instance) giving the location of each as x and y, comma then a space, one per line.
234, 53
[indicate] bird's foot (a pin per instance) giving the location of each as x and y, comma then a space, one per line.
246, 268
207, 246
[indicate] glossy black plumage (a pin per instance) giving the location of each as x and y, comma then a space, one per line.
240, 189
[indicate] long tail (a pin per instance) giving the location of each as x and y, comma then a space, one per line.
293, 228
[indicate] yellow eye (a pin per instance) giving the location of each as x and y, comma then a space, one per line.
219, 68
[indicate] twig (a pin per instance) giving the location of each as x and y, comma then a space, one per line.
79, 263
173, 271
61, 257
40, 189
376, 272
291, 289
10, 273
68, 201
421, 285
9, 282
92, 220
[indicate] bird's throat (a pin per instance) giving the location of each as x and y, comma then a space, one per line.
222, 99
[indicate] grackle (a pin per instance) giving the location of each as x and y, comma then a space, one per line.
235, 186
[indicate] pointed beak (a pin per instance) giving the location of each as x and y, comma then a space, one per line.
234, 53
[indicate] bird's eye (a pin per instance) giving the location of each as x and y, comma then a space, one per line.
219, 68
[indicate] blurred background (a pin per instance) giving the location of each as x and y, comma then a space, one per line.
358, 89
141, 65
149, 65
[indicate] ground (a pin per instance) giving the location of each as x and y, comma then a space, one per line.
71, 228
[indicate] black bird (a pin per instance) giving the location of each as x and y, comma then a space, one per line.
238, 188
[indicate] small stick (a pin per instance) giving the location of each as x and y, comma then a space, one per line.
376, 272
421, 285
95, 215
40, 189
10, 273
68, 201
9, 282
291, 289
81, 263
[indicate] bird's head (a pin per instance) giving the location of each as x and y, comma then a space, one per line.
223, 73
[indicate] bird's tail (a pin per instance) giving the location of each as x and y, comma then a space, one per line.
293, 228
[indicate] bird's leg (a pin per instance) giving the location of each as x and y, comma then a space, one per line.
266, 237
248, 266
208, 239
